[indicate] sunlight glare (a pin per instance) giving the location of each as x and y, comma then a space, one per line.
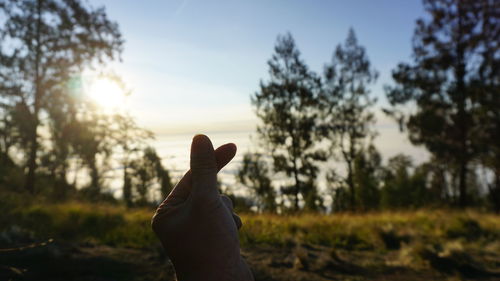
107, 93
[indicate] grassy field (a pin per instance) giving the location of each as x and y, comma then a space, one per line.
115, 243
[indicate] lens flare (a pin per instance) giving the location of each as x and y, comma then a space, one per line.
107, 93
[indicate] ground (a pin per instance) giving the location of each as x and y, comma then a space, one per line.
111, 242
61, 261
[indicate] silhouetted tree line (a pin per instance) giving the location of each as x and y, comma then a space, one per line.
446, 100
47, 130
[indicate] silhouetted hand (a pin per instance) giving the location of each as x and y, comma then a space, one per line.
196, 225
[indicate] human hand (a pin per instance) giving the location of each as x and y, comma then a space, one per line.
196, 225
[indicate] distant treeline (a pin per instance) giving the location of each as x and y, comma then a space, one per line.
445, 99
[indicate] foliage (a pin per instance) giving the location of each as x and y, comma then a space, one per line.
455, 61
254, 174
148, 170
132, 140
49, 128
44, 43
51, 136
286, 106
346, 108
398, 190
366, 173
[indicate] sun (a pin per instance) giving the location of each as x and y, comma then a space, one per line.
107, 93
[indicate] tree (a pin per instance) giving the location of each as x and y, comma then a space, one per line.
9, 134
144, 174
346, 106
287, 108
443, 84
366, 178
148, 171
486, 85
9, 137
131, 139
43, 43
93, 143
62, 124
397, 189
254, 174
166, 184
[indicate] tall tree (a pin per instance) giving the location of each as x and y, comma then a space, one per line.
62, 123
348, 121
396, 187
254, 174
367, 170
405, 186
286, 106
94, 144
9, 135
131, 139
486, 85
43, 43
148, 171
450, 49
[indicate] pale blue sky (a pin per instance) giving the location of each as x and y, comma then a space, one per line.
193, 64
204, 58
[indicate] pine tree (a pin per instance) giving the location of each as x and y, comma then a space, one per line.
346, 106
452, 51
287, 108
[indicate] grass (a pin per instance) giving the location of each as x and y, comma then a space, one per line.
118, 226
373, 231
439, 241
80, 222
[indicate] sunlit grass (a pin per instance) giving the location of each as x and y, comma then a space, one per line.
432, 241
83, 222
369, 231
118, 226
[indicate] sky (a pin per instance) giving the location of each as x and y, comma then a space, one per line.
193, 64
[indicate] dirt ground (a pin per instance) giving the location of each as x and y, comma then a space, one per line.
103, 263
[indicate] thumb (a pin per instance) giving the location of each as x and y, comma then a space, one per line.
203, 167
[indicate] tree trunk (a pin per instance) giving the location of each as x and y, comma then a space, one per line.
32, 165
350, 175
297, 185
30, 178
61, 184
94, 178
463, 128
350, 183
295, 172
127, 188
494, 192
